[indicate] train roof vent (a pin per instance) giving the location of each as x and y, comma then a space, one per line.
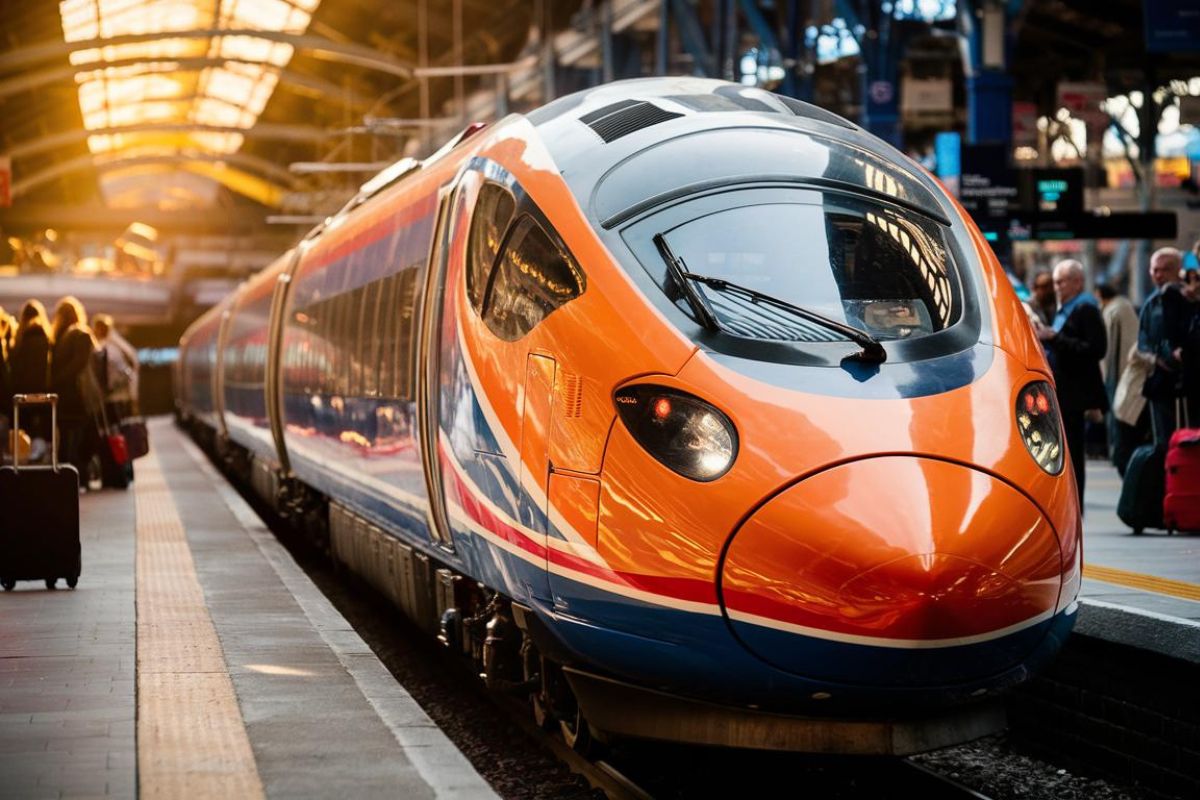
802, 109
624, 117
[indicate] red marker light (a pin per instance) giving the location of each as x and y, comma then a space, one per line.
1043, 403
1029, 403
662, 408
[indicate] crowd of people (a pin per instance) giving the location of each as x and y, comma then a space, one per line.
1137, 372
93, 370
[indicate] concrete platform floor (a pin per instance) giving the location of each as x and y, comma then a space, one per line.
1153, 572
215, 669
94, 704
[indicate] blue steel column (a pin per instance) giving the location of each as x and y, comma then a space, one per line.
984, 27
692, 36
989, 86
606, 42
878, 67
880, 93
663, 36
794, 83
989, 107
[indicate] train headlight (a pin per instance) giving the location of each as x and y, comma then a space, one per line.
680, 430
1038, 422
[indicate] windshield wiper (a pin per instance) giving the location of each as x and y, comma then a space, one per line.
872, 350
680, 274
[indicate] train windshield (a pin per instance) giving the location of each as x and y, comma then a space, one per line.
876, 267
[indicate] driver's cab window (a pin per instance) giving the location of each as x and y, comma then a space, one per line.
518, 269
493, 211
534, 276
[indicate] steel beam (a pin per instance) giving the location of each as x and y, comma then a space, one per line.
251, 163
309, 167
262, 130
35, 79
25, 217
475, 69
344, 52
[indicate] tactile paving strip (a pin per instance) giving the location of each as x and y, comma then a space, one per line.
1147, 583
191, 739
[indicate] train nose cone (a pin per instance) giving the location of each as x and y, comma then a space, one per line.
872, 571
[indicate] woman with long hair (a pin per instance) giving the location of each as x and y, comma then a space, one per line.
70, 359
29, 366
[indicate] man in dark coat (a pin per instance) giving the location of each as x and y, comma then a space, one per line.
1075, 344
1043, 301
1162, 327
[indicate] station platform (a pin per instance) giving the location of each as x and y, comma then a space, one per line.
196, 660
1143, 591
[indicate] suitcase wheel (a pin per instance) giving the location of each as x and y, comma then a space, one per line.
8, 584
72, 581
51, 583
1137, 531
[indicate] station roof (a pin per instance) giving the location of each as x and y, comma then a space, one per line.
195, 103
187, 103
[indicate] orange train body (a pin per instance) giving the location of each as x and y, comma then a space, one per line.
691, 489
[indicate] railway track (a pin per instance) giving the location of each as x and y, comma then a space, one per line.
709, 773
932, 785
600, 774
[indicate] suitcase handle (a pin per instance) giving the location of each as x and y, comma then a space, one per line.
36, 400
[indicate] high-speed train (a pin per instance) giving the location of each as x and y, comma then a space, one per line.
690, 411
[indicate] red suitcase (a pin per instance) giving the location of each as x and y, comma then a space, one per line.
1181, 506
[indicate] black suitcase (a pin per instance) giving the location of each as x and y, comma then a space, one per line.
39, 535
1143, 488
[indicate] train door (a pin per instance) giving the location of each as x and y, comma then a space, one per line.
276, 329
428, 370
218, 367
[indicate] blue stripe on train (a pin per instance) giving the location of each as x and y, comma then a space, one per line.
696, 653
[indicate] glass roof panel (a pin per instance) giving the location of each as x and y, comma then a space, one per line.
159, 90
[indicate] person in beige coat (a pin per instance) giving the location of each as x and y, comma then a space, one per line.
1126, 427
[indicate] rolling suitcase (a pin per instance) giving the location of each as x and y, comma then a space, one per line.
1142, 490
1181, 505
39, 509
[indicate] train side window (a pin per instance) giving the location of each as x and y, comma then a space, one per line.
358, 310
337, 344
385, 327
534, 276
493, 211
319, 340
346, 334
406, 298
371, 334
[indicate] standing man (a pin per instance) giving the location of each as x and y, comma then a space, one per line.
1162, 328
1075, 343
1044, 302
1190, 354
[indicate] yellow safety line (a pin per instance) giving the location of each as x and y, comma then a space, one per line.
1147, 583
191, 739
